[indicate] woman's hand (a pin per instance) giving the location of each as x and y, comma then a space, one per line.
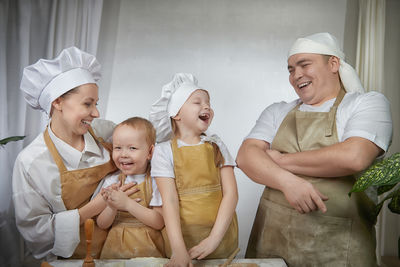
204, 248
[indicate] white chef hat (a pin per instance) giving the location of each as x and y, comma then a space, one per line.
173, 96
326, 44
48, 79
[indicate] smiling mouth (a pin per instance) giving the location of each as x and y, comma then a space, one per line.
86, 122
126, 164
302, 85
204, 117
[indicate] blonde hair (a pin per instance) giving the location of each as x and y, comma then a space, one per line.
141, 124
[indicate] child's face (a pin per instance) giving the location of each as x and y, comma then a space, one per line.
131, 152
196, 114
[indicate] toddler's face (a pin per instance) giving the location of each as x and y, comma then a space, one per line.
196, 114
131, 152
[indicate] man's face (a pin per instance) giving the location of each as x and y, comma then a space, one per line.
314, 77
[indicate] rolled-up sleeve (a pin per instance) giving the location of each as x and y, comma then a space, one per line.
268, 123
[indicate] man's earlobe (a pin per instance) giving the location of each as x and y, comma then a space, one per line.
335, 63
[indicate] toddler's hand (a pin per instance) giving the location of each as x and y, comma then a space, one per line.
117, 200
204, 248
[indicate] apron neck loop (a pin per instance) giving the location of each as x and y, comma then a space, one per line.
332, 112
122, 178
53, 151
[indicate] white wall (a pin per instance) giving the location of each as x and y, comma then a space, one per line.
237, 50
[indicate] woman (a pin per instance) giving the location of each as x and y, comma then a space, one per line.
55, 176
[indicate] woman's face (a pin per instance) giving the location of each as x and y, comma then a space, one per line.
77, 109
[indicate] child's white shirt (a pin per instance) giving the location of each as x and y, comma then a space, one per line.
162, 163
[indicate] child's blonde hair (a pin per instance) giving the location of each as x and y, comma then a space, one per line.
142, 124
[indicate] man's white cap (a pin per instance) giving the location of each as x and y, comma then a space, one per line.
173, 96
48, 79
326, 44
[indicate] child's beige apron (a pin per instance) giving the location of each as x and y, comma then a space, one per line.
198, 183
343, 236
77, 187
128, 237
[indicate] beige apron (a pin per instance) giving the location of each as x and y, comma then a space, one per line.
343, 236
198, 183
77, 187
128, 237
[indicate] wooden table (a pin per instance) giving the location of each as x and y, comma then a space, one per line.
157, 262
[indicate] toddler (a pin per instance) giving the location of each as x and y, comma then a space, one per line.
135, 219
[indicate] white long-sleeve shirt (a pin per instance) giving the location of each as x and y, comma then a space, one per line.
46, 225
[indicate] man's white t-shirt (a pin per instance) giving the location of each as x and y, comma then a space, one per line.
364, 115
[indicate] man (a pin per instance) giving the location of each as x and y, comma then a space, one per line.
306, 152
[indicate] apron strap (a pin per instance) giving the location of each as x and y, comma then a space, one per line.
122, 178
149, 188
53, 151
106, 145
332, 113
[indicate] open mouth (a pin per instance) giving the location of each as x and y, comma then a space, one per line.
125, 165
303, 85
204, 117
86, 122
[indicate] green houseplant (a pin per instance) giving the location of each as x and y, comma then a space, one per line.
10, 139
385, 175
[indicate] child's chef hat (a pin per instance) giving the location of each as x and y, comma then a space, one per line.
48, 79
173, 96
326, 44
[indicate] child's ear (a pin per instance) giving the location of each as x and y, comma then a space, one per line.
151, 150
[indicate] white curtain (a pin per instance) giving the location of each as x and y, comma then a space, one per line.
371, 44
30, 30
370, 66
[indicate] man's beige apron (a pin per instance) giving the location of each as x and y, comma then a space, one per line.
198, 183
77, 187
343, 236
128, 237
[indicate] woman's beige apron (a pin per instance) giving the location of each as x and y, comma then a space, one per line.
128, 237
343, 236
77, 187
198, 183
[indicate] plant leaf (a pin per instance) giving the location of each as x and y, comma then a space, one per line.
385, 188
385, 172
11, 139
394, 193
394, 204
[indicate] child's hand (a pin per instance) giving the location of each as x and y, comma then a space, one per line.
181, 260
204, 248
119, 200
105, 192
